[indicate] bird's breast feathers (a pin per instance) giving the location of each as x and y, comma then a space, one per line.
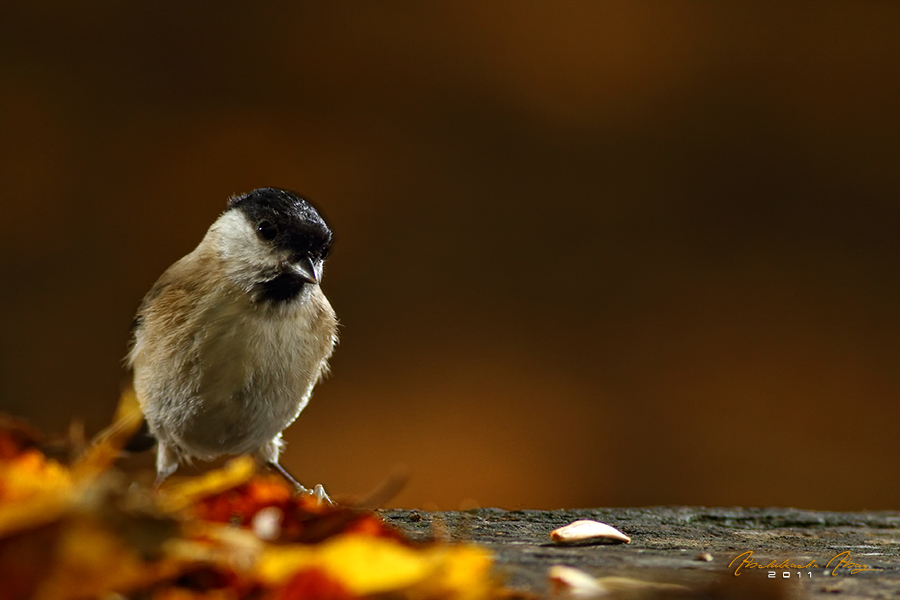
247, 375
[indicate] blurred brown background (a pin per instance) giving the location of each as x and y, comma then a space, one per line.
587, 253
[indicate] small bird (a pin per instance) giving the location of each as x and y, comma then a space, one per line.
229, 342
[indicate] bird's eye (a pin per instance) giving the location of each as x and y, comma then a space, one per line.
267, 230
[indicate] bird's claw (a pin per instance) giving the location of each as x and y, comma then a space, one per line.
319, 493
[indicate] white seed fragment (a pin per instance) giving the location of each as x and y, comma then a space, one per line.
569, 582
266, 524
587, 530
625, 587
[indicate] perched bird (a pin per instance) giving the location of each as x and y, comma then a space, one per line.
231, 339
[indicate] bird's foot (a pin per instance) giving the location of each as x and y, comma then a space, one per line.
319, 493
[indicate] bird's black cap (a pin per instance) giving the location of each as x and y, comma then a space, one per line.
285, 220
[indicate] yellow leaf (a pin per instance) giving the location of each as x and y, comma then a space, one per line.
91, 562
179, 495
368, 565
33, 490
108, 444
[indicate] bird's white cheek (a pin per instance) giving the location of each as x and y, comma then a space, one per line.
244, 258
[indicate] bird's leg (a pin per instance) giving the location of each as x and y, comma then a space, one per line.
166, 462
318, 491
268, 455
272, 464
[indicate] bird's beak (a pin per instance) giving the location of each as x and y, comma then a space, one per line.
305, 270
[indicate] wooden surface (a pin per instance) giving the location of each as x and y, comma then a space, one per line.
667, 543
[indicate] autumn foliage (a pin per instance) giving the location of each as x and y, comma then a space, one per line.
80, 529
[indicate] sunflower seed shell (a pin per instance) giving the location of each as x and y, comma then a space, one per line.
586, 531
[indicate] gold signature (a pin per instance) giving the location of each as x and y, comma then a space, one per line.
841, 561
846, 564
